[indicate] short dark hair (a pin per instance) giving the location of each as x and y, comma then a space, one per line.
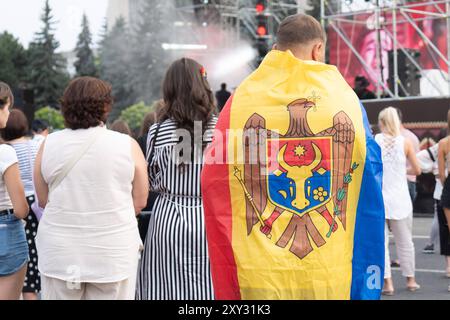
121, 127
6, 95
299, 29
448, 122
86, 103
39, 125
223, 86
16, 126
362, 81
149, 120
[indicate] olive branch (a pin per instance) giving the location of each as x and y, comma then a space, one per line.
341, 194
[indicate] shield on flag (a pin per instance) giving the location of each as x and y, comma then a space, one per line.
299, 177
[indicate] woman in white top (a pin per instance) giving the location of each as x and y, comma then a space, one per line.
397, 201
88, 240
15, 134
13, 208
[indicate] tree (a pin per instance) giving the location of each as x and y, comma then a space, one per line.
13, 61
53, 117
115, 62
85, 64
48, 75
150, 61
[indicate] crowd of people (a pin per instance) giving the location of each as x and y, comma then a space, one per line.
69, 200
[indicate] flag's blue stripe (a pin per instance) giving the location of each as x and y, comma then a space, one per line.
368, 252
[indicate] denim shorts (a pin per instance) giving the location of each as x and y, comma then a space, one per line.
13, 245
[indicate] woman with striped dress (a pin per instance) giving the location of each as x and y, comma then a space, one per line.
175, 263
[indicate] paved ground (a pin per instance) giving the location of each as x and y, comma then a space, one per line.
430, 269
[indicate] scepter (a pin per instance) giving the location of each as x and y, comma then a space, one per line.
238, 175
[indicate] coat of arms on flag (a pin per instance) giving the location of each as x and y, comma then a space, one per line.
303, 174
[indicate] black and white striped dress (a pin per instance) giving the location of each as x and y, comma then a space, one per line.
175, 263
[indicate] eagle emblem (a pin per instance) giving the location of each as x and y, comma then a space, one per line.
301, 173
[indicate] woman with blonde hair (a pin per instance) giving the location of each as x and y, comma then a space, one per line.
399, 210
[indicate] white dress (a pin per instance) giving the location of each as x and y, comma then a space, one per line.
89, 231
397, 201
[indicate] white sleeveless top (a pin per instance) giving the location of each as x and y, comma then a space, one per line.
89, 231
397, 200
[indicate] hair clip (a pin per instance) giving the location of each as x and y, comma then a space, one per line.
203, 72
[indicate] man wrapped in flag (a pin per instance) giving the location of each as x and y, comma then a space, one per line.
292, 181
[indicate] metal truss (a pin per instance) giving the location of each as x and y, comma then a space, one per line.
335, 13
236, 17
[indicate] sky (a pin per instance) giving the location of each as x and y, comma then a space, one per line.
22, 19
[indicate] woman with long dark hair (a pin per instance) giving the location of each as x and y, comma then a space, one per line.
15, 134
13, 208
175, 263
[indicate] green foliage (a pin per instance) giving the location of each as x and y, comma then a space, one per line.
135, 114
85, 64
47, 69
13, 61
53, 117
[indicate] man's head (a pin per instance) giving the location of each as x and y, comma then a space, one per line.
223, 86
303, 36
361, 82
39, 126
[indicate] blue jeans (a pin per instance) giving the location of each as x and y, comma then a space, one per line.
13, 245
412, 190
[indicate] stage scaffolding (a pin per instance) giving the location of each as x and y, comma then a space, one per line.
335, 14
237, 17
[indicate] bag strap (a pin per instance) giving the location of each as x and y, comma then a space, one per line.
431, 155
68, 166
152, 152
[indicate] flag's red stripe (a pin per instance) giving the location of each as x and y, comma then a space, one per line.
218, 217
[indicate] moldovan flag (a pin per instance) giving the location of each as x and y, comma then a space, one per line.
292, 189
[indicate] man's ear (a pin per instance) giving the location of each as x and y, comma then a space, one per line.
275, 47
318, 52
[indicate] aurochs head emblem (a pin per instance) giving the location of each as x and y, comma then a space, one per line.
305, 173
298, 175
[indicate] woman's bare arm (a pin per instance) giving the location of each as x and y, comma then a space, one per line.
16, 191
40, 185
441, 160
140, 182
415, 169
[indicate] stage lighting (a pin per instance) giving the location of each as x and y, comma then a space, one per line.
177, 46
262, 31
261, 6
